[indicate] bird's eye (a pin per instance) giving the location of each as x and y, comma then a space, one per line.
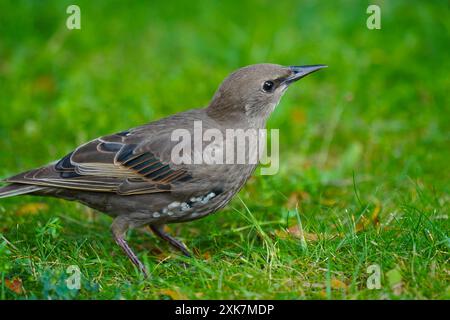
268, 86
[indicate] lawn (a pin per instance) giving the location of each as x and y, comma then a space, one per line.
363, 184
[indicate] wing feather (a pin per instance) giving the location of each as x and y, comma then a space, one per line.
115, 163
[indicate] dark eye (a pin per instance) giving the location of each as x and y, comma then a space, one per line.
268, 86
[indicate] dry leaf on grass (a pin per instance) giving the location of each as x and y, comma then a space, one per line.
31, 208
328, 202
337, 284
206, 256
194, 231
297, 233
295, 198
14, 285
285, 234
174, 295
374, 220
161, 255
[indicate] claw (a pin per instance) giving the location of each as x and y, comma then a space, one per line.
177, 244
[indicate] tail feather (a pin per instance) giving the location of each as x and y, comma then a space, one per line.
17, 189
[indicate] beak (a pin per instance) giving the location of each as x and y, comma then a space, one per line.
299, 72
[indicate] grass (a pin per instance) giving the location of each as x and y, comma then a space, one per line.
364, 145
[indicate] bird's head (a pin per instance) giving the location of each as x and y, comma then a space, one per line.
254, 91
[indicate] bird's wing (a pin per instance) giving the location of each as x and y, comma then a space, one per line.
123, 163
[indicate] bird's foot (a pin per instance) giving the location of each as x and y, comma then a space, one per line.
119, 228
175, 243
131, 255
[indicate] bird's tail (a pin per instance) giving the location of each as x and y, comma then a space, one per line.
16, 189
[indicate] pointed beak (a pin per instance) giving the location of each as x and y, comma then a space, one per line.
299, 72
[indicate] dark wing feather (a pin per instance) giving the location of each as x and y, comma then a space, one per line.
109, 164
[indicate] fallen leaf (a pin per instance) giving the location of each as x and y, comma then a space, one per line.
161, 255
364, 222
295, 232
295, 198
206, 255
323, 294
313, 285
281, 233
194, 231
397, 289
31, 208
328, 202
375, 215
337, 284
174, 295
14, 285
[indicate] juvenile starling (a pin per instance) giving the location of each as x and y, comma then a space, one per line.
132, 177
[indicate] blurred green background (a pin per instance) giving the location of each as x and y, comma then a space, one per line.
368, 135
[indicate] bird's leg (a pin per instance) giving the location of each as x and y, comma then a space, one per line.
119, 228
177, 244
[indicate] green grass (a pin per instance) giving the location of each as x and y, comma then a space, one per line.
369, 134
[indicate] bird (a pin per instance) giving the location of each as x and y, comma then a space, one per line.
133, 177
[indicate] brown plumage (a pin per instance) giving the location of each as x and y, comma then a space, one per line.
132, 177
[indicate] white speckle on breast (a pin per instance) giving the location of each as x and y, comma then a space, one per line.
176, 207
